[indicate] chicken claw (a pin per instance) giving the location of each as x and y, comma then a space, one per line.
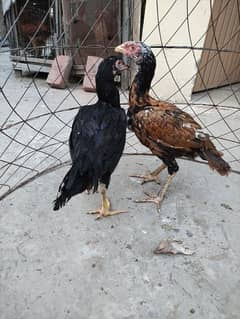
147, 178
101, 212
151, 177
157, 199
151, 198
105, 210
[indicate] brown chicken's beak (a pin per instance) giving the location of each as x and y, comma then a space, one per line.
120, 49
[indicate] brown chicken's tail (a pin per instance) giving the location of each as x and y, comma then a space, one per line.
214, 158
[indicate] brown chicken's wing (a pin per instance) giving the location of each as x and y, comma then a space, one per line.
171, 127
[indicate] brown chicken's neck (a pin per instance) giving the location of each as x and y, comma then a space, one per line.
141, 84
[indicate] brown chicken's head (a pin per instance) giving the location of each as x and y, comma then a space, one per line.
134, 50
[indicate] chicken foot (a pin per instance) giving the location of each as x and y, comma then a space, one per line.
159, 198
105, 210
151, 177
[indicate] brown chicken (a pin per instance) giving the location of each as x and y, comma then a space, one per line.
165, 129
34, 28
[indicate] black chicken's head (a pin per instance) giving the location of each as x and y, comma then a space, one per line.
111, 66
138, 51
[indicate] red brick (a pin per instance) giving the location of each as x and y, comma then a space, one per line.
60, 72
92, 64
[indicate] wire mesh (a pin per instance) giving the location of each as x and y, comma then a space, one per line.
36, 119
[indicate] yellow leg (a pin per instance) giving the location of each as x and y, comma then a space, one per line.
159, 198
105, 210
153, 176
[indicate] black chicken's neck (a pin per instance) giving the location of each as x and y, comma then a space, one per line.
142, 81
107, 92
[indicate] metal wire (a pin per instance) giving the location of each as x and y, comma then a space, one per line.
46, 148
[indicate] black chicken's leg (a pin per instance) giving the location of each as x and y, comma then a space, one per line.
105, 210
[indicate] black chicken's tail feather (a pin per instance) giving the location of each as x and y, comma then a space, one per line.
214, 158
71, 185
59, 202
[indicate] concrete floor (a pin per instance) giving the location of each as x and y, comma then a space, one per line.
67, 265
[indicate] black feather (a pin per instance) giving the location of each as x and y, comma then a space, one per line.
97, 138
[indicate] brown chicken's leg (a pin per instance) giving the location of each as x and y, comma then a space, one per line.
159, 198
153, 176
105, 210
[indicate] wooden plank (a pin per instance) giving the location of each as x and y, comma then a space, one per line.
45, 69
2, 26
66, 8
31, 60
77, 73
217, 69
31, 67
234, 63
13, 17
207, 56
136, 28
76, 69
222, 74
79, 68
126, 5
136, 20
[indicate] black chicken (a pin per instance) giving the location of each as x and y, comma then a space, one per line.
97, 140
165, 129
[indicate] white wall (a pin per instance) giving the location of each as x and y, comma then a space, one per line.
198, 19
